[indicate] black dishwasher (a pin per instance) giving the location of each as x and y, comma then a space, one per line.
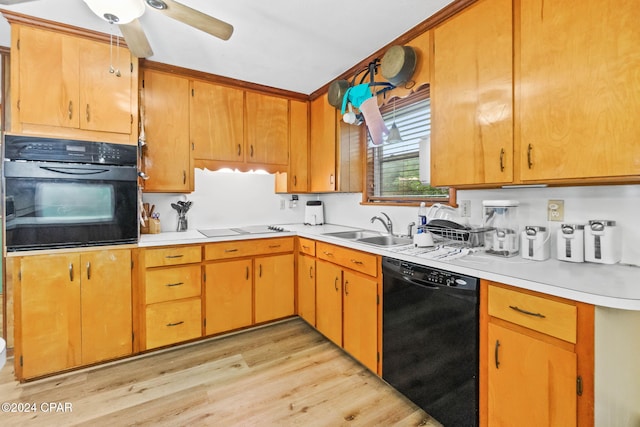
430, 339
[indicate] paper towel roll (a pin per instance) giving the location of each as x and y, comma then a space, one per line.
424, 148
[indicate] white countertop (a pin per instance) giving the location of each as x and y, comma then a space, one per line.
614, 286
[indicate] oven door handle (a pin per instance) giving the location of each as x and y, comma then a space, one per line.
74, 170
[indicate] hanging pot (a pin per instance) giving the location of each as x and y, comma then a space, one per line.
398, 64
337, 89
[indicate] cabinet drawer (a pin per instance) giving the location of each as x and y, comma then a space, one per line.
169, 284
307, 246
172, 256
349, 258
241, 248
173, 322
550, 317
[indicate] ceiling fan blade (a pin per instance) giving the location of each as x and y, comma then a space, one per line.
197, 19
12, 2
136, 39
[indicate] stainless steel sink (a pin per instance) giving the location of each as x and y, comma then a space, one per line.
353, 234
386, 240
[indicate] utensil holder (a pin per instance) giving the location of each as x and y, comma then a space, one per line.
183, 224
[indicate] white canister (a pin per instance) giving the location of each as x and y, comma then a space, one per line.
602, 242
535, 243
570, 243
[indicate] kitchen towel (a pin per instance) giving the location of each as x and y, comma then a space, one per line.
373, 120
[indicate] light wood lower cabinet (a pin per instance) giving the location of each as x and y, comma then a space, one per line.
71, 309
348, 312
306, 283
228, 295
274, 287
171, 286
536, 359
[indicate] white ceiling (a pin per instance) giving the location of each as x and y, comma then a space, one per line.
296, 45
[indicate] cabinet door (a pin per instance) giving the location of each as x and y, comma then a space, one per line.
49, 80
329, 301
472, 97
307, 288
105, 96
576, 98
274, 287
267, 129
531, 382
167, 156
49, 334
361, 318
106, 305
299, 146
228, 295
322, 145
217, 122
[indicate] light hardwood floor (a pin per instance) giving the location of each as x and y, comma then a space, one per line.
285, 374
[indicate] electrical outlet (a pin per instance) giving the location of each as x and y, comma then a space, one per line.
555, 210
465, 208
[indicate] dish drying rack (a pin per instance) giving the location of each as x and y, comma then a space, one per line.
471, 237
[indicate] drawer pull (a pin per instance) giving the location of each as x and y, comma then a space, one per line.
273, 246
310, 272
175, 324
230, 250
335, 283
174, 256
175, 284
305, 247
346, 290
327, 253
356, 262
529, 313
495, 355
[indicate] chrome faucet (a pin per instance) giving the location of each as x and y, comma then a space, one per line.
388, 225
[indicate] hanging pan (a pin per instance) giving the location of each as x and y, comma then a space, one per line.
398, 64
337, 89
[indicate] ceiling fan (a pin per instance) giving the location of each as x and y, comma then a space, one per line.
125, 14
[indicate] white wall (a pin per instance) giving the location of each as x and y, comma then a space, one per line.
224, 199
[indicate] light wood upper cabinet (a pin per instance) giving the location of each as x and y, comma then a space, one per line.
577, 93
72, 309
322, 146
267, 129
472, 97
350, 173
167, 155
217, 122
62, 86
296, 180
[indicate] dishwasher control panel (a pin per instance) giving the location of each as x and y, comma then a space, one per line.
429, 275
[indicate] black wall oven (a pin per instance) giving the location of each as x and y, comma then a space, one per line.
64, 193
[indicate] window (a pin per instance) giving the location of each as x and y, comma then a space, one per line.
393, 169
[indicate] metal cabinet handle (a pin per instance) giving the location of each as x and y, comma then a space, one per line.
260, 270
356, 262
310, 272
251, 151
529, 313
335, 283
305, 247
239, 149
89, 270
247, 275
295, 180
331, 180
273, 246
70, 110
174, 256
502, 160
88, 114
346, 290
529, 156
175, 284
230, 250
496, 354
327, 253
176, 323
184, 177
71, 272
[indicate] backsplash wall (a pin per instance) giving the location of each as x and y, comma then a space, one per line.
223, 199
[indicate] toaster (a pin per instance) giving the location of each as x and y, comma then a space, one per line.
314, 213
